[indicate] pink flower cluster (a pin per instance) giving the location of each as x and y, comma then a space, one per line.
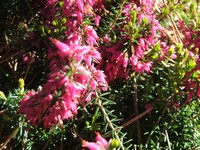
75, 12
74, 74
191, 41
118, 60
72, 81
73, 78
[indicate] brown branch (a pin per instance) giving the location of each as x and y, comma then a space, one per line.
136, 118
2, 111
3, 145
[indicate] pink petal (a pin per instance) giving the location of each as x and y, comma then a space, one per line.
97, 19
91, 145
101, 140
64, 49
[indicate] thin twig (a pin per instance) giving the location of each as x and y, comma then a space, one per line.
176, 29
136, 118
135, 147
27, 70
2, 111
108, 120
174, 26
168, 142
3, 145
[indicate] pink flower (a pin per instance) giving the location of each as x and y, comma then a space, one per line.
74, 39
82, 76
81, 50
67, 7
125, 61
116, 57
115, 70
141, 16
100, 77
31, 107
138, 51
67, 114
93, 84
71, 105
189, 96
153, 30
106, 39
119, 57
101, 143
198, 91
140, 68
95, 54
101, 140
97, 19
28, 59
91, 35
79, 15
134, 60
91, 145
141, 43
147, 66
88, 97
70, 90
187, 35
109, 66
64, 49
80, 4
46, 100
150, 40
73, 72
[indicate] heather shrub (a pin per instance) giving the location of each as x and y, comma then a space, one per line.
99, 75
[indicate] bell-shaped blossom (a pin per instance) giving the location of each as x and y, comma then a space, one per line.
28, 60
134, 60
91, 35
139, 51
125, 61
91, 145
198, 91
64, 49
147, 66
139, 68
142, 43
101, 140
80, 4
189, 96
97, 19
100, 144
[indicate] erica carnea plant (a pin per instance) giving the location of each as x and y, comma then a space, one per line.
100, 75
